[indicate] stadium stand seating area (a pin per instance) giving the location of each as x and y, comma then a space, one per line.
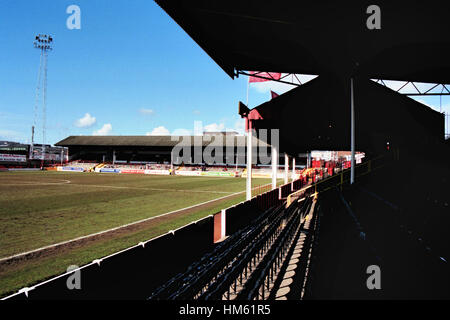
396, 218
208, 168
257, 171
128, 166
81, 164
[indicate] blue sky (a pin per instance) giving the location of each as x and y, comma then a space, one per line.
129, 66
129, 70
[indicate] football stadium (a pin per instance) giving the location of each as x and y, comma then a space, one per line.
337, 189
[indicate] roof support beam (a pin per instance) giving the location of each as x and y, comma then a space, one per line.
444, 89
283, 79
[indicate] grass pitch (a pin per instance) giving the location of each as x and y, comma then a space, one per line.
38, 209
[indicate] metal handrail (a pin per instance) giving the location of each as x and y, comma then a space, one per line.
213, 260
236, 255
275, 254
224, 282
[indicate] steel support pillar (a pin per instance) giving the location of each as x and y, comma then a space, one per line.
293, 169
249, 163
274, 166
286, 168
352, 169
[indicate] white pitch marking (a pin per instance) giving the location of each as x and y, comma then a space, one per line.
151, 189
31, 183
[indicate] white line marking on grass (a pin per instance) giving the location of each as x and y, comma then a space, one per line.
122, 226
32, 183
151, 189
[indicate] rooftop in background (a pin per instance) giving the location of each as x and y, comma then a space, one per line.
155, 141
216, 133
8, 143
13, 146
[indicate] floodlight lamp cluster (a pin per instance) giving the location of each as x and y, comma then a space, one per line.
43, 42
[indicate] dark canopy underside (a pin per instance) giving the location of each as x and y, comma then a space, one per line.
381, 116
316, 37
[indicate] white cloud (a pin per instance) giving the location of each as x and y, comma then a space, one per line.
145, 111
163, 131
86, 122
239, 126
278, 87
103, 131
423, 102
181, 132
196, 112
445, 107
10, 135
265, 87
159, 131
214, 127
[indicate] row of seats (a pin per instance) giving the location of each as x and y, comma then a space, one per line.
84, 165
